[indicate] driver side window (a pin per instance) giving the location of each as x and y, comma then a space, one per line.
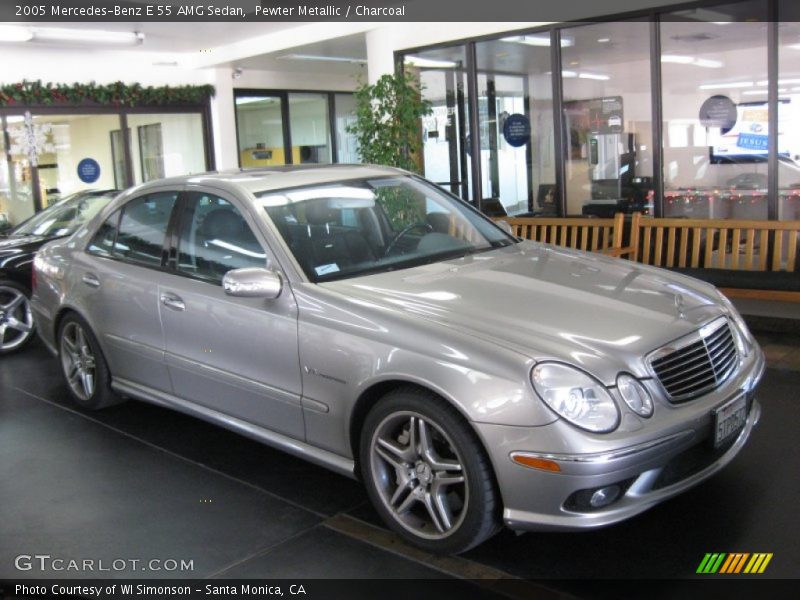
215, 239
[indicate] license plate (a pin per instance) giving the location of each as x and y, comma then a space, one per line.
729, 419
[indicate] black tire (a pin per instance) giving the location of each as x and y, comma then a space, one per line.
460, 515
13, 339
71, 351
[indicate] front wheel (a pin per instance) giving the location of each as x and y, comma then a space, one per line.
427, 474
16, 318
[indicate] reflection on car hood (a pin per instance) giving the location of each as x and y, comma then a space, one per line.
547, 302
22, 242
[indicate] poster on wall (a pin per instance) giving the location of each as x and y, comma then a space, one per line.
748, 138
595, 116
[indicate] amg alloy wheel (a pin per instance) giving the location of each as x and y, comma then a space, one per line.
16, 319
427, 474
83, 365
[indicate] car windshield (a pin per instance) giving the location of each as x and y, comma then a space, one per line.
65, 217
353, 228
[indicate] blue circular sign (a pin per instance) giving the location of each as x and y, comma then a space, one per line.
517, 130
88, 170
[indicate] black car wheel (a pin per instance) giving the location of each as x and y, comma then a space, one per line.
427, 473
16, 319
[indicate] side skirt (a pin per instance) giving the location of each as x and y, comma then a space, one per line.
323, 458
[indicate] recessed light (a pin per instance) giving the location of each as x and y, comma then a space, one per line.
418, 61
603, 40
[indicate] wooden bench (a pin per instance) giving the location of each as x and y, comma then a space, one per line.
595, 235
745, 259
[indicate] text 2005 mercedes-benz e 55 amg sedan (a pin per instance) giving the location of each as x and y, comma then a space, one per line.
364, 319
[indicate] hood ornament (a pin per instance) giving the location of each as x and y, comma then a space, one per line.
680, 306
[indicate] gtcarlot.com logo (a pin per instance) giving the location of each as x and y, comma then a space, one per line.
734, 563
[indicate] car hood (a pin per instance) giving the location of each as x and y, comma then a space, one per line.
26, 242
548, 302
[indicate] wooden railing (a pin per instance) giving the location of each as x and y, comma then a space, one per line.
737, 245
595, 235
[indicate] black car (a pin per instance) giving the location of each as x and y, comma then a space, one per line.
17, 249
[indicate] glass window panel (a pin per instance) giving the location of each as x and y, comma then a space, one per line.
143, 226
216, 239
310, 128
259, 120
789, 112
166, 145
715, 62
607, 118
346, 144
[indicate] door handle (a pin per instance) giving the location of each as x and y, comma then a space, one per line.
172, 301
91, 280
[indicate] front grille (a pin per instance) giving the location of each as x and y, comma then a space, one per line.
697, 363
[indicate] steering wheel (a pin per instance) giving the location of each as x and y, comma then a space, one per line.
407, 229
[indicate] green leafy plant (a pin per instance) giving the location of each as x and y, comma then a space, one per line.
36, 93
387, 125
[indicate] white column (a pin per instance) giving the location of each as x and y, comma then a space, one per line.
380, 53
223, 120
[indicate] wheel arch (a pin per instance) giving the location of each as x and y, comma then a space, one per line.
377, 390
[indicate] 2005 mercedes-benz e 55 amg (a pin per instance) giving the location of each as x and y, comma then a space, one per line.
364, 319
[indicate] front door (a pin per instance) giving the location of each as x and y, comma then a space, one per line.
236, 356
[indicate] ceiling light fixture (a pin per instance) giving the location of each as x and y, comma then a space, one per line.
595, 76
418, 61
780, 82
87, 36
680, 59
603, 40
722, 86
10, 33
314, 57
542, 41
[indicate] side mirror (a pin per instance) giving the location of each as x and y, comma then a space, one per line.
252, 282
505, 226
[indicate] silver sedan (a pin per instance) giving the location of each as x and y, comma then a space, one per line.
364, 319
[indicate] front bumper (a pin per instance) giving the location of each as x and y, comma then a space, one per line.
677, 454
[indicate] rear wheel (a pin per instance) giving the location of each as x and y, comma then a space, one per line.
85, 370
16, 318
427, 474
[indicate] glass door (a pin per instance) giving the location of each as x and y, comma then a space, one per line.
515, 113
445, 132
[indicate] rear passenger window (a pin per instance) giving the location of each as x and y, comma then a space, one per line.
103, 241
215, 239
138, 234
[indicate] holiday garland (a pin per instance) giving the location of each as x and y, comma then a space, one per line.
36, 93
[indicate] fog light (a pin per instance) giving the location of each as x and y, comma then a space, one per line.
604, 496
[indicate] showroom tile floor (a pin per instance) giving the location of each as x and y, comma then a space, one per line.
139, 481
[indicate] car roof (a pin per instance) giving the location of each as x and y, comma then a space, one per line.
268, 179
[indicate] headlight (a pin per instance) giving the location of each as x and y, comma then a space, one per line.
744, 339
635, 395
577, 397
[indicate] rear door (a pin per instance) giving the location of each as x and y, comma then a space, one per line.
118, 279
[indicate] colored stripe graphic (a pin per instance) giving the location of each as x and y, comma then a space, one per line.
758, 563
733, 563
711, 562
